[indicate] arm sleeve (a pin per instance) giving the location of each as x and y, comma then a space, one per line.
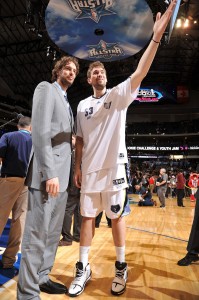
78, 123
123, 95
3, 146
43, 107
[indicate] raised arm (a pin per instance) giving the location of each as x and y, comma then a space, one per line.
150, 52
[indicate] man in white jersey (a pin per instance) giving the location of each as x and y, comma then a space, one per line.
101, 157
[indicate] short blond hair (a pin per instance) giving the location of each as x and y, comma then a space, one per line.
95, 64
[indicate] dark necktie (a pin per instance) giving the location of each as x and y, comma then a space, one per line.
71, 113
69, 107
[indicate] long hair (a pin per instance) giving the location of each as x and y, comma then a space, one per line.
61, 63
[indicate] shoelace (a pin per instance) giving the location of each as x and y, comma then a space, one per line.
120, 273
79, 274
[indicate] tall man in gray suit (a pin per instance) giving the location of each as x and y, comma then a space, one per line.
47, 180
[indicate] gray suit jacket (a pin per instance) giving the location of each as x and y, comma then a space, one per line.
52, 126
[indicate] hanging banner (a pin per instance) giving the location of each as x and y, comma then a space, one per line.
104, 30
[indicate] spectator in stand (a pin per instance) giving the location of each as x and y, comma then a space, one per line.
180, 183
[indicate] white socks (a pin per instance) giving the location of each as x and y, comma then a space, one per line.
84, 251
120, 254
83, 254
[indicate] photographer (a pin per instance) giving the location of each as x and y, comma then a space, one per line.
145, 197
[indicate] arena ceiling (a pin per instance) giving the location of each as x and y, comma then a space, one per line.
24, 45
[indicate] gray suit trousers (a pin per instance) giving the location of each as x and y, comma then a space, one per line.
41, 236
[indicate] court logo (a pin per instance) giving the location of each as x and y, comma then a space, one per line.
105, 50
92, 9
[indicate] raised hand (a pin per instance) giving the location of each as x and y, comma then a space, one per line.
162, 21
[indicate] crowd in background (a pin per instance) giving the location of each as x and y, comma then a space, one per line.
142, 174
183, 127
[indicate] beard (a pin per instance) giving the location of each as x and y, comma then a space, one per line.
65, 82
100, 86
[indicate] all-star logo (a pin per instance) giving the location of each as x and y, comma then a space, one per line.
93, 9
105, 50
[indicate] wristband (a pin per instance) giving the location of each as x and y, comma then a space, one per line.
155, 41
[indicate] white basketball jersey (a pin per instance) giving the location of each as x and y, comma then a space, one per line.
101, 123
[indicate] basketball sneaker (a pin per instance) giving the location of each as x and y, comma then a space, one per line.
83, 275
121, 275
192, 198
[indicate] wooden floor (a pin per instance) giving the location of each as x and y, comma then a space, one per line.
156, 239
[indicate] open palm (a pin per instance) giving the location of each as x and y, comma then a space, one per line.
162, 21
